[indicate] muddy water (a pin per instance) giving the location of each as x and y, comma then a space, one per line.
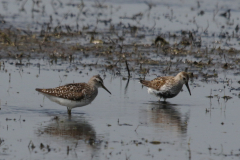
129, 123
152, 18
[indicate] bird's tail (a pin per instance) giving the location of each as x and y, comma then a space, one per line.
38, 89
144, 82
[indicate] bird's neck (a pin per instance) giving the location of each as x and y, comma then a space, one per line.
93, 87
178, 82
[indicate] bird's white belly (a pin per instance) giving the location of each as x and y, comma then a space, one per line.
69, 103
164, 92
153, 91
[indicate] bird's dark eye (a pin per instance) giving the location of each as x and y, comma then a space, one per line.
184, 79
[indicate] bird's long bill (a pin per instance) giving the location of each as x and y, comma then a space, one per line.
106, 89
188, 88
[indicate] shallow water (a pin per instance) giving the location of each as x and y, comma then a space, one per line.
129, 123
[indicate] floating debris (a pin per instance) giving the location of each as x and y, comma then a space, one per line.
155, 142
226, 98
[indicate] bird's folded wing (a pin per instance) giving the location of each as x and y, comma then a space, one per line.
156, 83
76, 91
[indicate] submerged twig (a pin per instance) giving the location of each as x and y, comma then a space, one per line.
127, 69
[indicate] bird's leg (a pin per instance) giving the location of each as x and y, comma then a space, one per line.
69, 111
164, 99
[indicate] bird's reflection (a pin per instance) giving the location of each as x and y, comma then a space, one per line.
69, 127
165, 115
72, 131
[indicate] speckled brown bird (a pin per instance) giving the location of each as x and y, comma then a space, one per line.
167, 87
75, 94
